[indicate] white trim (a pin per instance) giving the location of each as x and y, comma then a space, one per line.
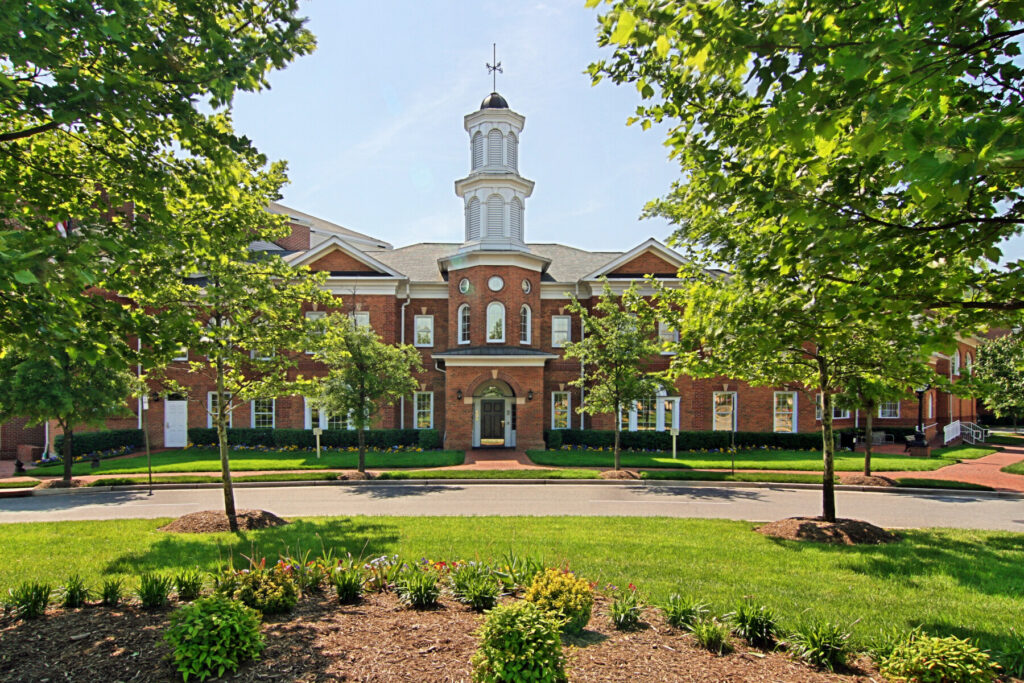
844, 412
568, 409
775, 412
273, 413
469, 257
467, 337
181, 356
313, 316
335, 243
416, 410
660, 399
650, 245
674, 337
734, 411
526, 339
209, 411
889, 417
488, 338
568, 330
347, 287
497, 361
361, 319
416, 332
428, 290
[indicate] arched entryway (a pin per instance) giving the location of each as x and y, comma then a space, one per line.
494, 415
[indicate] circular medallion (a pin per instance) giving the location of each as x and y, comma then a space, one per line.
527, 286
495, 283
464, 286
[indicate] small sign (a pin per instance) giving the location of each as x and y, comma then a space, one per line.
318, 432
145, 402
675, 432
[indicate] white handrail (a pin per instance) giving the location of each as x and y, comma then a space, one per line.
973, 433
950, 432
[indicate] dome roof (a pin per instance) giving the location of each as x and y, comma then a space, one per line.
494, 101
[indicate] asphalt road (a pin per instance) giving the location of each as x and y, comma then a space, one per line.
754, 504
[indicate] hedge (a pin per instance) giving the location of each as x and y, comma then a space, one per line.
428, 439
91, 442
662, 441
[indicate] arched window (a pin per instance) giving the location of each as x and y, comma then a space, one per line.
969, 364
956, 362
495, 323
515, 219
478, 150
464, 324
525, 325
494, 140
473, 219
495, 216
512, 151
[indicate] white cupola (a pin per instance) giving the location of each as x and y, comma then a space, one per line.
494, 194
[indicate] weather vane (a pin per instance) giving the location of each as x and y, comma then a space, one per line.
495, 68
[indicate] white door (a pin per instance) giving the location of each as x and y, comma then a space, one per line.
175, 424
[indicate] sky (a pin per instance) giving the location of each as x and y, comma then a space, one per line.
371, 123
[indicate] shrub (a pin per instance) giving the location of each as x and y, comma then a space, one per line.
1012, 658
821, 643
474, 585
757, 624
418, 589
929, 659
519, 642
111, 592
270, 591
348, 582
74, 593
626, 609
429, 439
212, 636
189, 584
310, 575
518, 572
304, 438
553, 439
564, 595
662, 441
155, 590
712, 635
683, 611
28, 600
94, 442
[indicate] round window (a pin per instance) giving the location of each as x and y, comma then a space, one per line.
495, 283
527, 286
464, 286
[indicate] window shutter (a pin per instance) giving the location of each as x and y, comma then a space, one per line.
473, 219
512, 155
495, 216
478, 150
516, 219
494, 140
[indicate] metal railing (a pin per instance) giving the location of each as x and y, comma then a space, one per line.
950, 432
973, 433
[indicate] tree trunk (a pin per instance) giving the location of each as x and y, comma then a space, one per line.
868, 410
362, 447
69, 435
618, 430
145, 440
828, 492
222, 444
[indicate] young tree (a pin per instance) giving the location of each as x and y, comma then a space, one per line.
77, 386
363, 374
615, 346
999, 376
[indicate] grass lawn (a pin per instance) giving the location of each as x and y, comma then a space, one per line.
207, 460
206, 479
961, 582
492, 474
1005, 439
808, 461
940, 484
25, 483
696, 475
1016, 468
961, 452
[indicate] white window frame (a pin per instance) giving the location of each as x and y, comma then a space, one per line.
464, 329
525, 331
322, 418
931, 406
273, 413
969, 364
312, 316
660, 399
568, 409
416, 411
495, 305
837, 412
416, 330
776, 413
556, 342
182, 354
361, 319
209, 410
734, 411
667, 335
252, 355
883, 405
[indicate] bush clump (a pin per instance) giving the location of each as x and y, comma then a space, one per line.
712, 635
189, 584
155, 590
28, 600
565, 596
929, 659
74, 593
626, 609
683, 611
519, 642
757, 624
111, 592
348, 584
474, 585
212, 636
821, 644
418, 589
270, 591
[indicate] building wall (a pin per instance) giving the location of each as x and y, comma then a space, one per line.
16, 432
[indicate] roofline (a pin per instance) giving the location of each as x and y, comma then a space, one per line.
628, 256
306, 257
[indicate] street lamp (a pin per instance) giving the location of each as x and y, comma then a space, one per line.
919, 439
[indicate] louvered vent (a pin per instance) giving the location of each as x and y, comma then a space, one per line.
494, 141
513, 151
478, 150
473, 219
516, 219
495, 216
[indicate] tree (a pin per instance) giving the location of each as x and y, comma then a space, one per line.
615, 346
78, 386
999, 376
363, 374
884, 136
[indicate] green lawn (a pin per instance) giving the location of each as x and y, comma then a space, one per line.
962, 582
940, 484
207, 460
207, 479
25, 483
961, 452
807, 461
1016, 468
492, 474
697, 475
1005, 439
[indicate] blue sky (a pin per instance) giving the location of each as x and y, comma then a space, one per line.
371, 123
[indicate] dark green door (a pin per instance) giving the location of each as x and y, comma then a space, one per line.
492, 422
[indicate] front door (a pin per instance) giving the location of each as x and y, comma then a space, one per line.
492, 422
175, 424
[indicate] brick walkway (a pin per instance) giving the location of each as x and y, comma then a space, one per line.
984, 471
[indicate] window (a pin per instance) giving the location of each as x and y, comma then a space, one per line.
667, 336
723, 404
931, 406
561, 332
889, 409
211, 409
423, 403
837, 412
658, 413
478, 150
495, 216
560, 404
956, 363
424, 327
263, 413
494, 140
464, 324
182, 354
495, 323
473, 220
512, 151
316, 418
360, 319
646, 415
969, 364
262, 354
525, 324
316, 318
785, 411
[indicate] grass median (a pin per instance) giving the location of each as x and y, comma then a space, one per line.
491, 474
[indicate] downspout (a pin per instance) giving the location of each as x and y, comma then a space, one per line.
401, 399
138, 373
582, 388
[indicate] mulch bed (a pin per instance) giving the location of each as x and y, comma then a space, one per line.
354, 475
842, 531
59, 484
620, 474
376, 640
213, 521
861, 480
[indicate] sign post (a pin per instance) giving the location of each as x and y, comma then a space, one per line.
317, 432
675, 433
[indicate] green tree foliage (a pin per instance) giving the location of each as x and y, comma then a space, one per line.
74, 386
999, 376
885, 136
363, 374
615, 346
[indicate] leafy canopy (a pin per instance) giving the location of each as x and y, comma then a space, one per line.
999, 376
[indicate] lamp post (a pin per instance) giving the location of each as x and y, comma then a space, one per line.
919, 439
